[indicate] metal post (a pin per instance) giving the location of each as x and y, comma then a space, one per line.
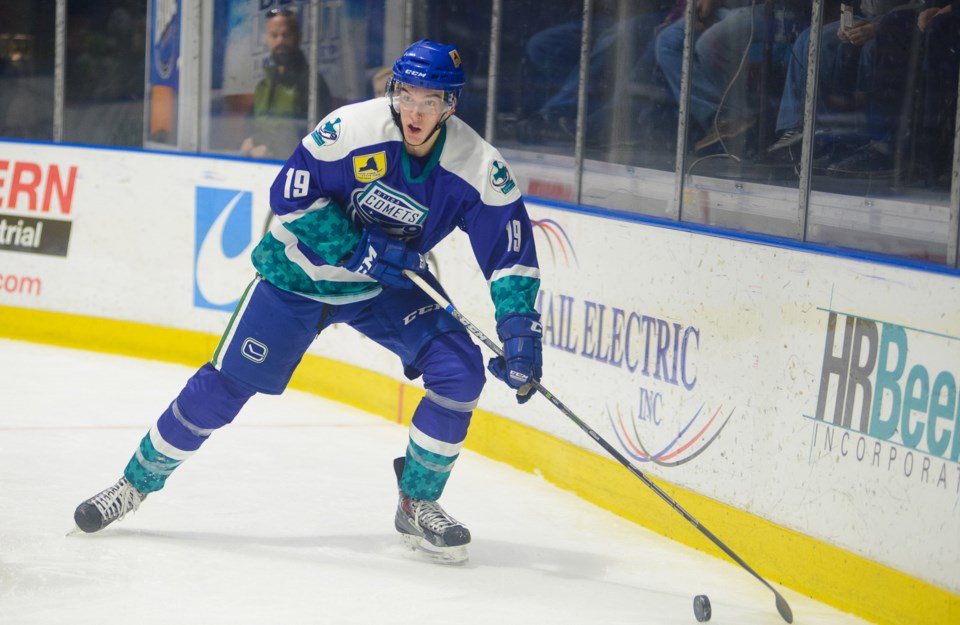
313, 102
394, 37
952, 255
205, 55
582, 100
681, 161
59, 69
188, 99
408, 22
809, 117
623, 118
493, 71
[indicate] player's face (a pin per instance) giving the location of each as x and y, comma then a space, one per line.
420, 111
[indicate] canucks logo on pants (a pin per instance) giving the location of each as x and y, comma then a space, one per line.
225, 234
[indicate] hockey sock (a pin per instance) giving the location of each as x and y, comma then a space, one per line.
425, 472
149, 469
453, 376
208, 402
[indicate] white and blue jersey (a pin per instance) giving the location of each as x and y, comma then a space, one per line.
353, 171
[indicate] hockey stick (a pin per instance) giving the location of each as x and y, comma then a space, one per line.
782, 606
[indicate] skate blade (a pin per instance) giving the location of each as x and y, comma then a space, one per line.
76, 531
442, 555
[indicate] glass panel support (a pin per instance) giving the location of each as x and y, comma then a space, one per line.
809, 114
493, 71
954, 237
676, 210
582, 99
59, 67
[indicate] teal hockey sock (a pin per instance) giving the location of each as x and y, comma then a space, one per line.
425, 473
149, 469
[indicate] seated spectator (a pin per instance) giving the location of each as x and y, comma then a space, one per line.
724, 31
555, 55
846, 70
281, 98
905, 38
941, 67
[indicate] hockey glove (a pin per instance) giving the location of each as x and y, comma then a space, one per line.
522, 353
384, 258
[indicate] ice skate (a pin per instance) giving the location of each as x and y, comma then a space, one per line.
425, 527
108, 506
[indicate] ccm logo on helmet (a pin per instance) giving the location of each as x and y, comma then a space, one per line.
413, 73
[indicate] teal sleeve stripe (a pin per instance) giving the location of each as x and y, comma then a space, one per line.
327, 232
272, 263
514, 295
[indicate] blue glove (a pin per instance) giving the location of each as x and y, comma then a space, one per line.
384, 258
522, 353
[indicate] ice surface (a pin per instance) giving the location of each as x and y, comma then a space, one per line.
286, 517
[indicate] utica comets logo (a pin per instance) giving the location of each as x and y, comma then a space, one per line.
500, 177
327, 132
226, 233
397, 213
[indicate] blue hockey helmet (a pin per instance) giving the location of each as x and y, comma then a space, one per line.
430, 65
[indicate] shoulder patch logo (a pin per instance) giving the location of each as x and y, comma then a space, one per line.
500, 177
327, 132
369, 167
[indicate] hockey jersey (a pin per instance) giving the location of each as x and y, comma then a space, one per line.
353, 172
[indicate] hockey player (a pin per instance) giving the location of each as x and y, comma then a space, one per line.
373, 188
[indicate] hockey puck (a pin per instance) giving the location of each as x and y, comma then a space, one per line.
701, 608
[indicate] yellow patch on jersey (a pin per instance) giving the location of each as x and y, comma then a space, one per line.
369, 167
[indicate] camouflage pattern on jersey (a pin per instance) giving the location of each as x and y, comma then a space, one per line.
331, 236
270, 259
329, 232
514, 295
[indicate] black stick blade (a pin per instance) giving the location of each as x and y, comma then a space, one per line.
784, 608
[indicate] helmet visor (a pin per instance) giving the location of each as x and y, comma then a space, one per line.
426, 102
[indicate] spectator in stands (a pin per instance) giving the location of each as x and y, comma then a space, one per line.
555, 55
924, 36
940, 26
281, 98
724, 30
26, 93
846, 72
